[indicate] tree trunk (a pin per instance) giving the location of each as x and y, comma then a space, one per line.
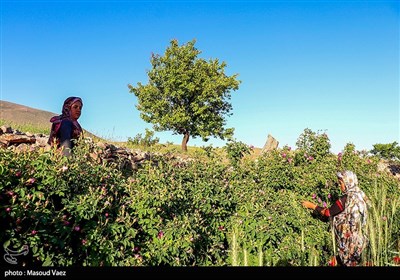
184, 141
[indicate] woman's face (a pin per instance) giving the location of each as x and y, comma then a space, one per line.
76, 108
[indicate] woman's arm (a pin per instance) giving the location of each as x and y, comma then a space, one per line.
335, 209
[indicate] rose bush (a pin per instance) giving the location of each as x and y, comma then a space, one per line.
205, 211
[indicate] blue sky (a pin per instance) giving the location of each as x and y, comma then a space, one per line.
330, 66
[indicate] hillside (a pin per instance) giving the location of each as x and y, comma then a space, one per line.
18, 116
22, 115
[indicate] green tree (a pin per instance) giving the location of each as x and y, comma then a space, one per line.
389, 151
186, 94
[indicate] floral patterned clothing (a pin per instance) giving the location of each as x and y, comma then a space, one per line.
349, 217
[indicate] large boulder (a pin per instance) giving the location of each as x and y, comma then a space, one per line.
271, 144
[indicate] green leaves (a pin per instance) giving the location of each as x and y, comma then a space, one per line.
389, 151
186, 94
236, 150
199, 212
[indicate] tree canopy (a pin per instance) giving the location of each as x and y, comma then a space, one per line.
186, 94
390, 151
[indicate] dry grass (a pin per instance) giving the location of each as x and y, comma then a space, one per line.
19, 114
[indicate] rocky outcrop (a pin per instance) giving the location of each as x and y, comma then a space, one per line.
271, 144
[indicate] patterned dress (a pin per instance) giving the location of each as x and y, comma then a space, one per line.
349, 218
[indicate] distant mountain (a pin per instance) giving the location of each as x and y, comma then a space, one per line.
22, 115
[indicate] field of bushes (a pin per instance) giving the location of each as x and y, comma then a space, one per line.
212, 209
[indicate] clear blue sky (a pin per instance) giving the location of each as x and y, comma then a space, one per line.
331, 66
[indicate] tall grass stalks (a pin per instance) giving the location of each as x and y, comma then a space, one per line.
379, 227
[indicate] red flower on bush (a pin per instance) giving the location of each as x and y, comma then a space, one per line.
30, 181
396, 259
160, 234
136, 249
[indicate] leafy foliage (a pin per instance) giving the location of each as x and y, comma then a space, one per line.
389, 151
236, 150
200, 212
146, 141
313, 144
186, 94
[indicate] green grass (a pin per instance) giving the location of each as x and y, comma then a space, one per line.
26, 127
380, 227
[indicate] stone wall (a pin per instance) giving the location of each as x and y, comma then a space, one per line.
125, 159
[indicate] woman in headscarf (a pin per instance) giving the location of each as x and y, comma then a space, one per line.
349, 218
65, 128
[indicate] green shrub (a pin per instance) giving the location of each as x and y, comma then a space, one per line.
147, 141
202, 211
